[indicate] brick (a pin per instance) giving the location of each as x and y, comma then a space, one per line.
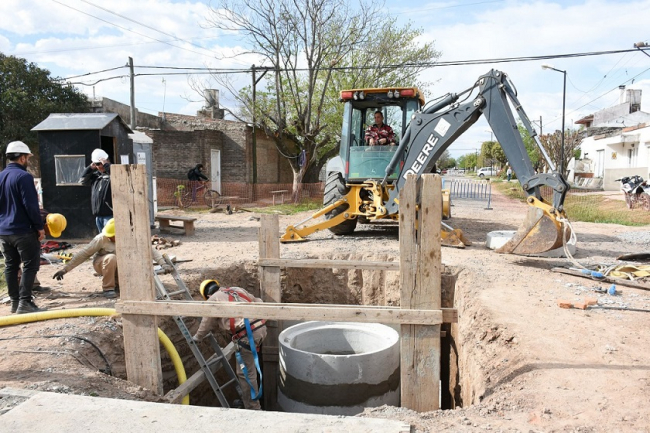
564, 304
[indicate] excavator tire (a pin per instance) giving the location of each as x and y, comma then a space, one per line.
335, 189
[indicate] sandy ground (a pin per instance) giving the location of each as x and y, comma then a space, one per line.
526, 365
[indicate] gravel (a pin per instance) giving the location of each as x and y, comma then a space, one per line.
642, 237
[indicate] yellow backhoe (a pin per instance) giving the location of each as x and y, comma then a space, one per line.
363, 181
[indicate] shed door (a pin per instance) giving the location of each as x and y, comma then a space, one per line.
215, 169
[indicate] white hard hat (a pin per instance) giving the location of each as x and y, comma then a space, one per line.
97, 155
18, 147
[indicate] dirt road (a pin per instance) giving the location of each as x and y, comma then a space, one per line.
525, 364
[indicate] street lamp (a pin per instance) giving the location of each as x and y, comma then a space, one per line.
563, 111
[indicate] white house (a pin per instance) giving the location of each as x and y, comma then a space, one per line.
618, 140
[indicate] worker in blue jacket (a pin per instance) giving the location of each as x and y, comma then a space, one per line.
21, 227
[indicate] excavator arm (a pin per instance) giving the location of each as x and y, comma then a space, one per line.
434, 129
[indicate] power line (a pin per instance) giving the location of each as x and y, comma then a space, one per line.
423, 65
145, 25
128, 30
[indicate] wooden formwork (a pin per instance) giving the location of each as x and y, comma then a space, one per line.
419, 316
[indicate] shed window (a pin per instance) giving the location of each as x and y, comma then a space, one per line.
69, 169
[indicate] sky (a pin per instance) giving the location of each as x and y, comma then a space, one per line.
74, 39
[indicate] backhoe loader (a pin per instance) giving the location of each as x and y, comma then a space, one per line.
363, 182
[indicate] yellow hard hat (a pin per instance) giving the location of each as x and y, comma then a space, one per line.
56, 223
109, 228
208, 288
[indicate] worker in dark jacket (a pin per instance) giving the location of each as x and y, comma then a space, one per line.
21, 227
98, 176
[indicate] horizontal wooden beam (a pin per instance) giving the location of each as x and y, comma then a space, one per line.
176, 395
273, 311
339, 264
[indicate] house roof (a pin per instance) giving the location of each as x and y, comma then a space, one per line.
585, 120
78, 121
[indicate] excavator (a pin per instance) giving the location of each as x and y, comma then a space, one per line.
363, 182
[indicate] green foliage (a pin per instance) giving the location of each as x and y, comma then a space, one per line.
492, 154
531, 147
593, 208
468, 161
28, 95
446, 161
290, 208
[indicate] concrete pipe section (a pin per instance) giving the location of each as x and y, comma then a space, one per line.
338, 368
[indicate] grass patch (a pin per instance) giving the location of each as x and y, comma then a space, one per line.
289, 208
593, 208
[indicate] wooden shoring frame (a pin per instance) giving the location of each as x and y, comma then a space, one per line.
419, 316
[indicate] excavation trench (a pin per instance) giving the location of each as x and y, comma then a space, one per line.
462, 379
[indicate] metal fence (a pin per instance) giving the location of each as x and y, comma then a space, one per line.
238, 193
480, 190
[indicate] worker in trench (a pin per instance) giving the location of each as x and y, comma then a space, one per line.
102, 248
242, 332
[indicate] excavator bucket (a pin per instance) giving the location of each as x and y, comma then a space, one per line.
454, 238
540, 232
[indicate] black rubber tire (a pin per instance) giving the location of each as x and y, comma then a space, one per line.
212, 198
334, 190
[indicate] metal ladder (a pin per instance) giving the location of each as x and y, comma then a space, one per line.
217, 358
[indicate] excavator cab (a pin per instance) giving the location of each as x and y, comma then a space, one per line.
357, 161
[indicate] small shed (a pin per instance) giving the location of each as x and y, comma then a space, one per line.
65, 144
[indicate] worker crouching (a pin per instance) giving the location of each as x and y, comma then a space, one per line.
102, 250
240, 331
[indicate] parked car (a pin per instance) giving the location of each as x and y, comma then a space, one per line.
486, 171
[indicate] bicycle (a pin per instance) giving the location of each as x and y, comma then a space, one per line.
185, 197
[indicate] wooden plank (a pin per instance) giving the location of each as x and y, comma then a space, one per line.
421, 288
133, 249
620, 281
174, 218
334, 264
175, 396
272, 311
270, 291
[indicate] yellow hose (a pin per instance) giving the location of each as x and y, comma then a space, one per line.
84, 312
176, 360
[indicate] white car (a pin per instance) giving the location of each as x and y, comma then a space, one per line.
486, 171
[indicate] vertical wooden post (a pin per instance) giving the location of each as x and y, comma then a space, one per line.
133, 245
271, 291
420, 273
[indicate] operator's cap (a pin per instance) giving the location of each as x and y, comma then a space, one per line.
18, 147
56, 223
109, 228
208, 288
97, 155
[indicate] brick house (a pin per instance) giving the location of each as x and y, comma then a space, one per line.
224, 147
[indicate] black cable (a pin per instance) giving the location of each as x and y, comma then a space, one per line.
352, 68
108, 365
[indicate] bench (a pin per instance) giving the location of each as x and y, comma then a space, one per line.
281, 193
165, 223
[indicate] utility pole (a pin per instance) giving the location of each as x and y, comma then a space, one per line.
255, 81
254, 133
133, 122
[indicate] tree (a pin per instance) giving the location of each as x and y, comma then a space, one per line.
553, 145
532, 150
446, 161
314, 48
491, 153
28, 95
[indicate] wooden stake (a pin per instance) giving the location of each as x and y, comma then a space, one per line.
270, 291
420, 278
133, 245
